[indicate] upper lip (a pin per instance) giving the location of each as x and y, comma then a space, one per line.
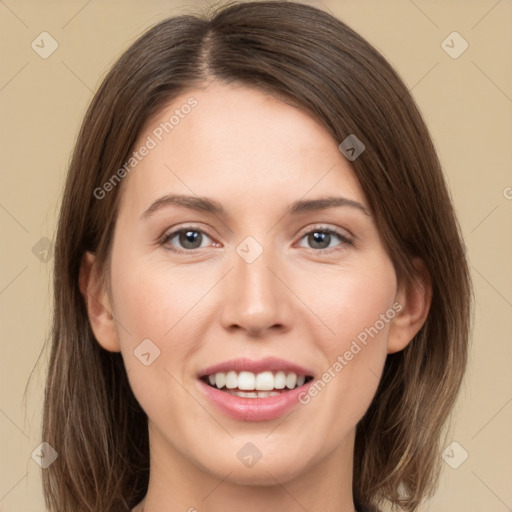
272, 364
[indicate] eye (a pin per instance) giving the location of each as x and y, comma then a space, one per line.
321, 237
189, 237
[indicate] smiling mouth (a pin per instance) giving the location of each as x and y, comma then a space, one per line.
251, 385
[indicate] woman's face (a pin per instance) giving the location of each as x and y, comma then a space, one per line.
270, 288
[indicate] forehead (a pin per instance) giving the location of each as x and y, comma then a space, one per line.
236, 143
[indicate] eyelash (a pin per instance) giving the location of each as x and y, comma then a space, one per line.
316, 229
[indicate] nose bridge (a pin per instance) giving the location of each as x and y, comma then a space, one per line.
255, 299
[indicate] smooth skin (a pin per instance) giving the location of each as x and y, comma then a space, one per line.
303, 299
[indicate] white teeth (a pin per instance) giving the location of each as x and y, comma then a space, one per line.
220, 380
291, 380
262, 382
231, 380
253, 394
246, 381
265, 381
280, 380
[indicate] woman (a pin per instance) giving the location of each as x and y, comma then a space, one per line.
262, 300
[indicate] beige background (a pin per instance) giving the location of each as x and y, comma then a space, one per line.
467, 103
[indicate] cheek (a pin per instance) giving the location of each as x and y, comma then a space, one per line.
152, 298
156, 315
352, 303
357, 307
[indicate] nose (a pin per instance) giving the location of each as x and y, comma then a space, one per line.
256, 298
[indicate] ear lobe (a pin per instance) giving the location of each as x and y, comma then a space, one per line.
98, 306
415, 299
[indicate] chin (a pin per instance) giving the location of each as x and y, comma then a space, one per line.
265, 472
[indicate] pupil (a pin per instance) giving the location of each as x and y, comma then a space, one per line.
188, 238
320, 238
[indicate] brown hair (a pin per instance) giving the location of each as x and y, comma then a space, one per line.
312, 60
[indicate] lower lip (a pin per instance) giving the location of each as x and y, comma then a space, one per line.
254, 409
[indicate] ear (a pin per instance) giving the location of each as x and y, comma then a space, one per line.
415, 299
96, 298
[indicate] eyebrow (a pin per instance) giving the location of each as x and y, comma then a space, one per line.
212, 206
